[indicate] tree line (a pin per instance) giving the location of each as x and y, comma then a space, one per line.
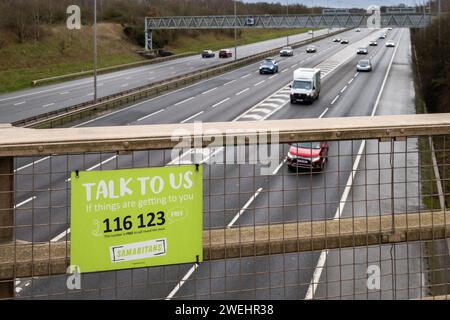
26, 18
432, 50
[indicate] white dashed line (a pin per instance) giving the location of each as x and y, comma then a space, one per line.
335, 99
47, 105
259, 83
245, 207
180, 284
219, 103
230, 82
271, 77
63, 93
343, 89
124, 85
241, 92
183, 101
192, 117
323, 113
19, 103
247, 75
213, 89
351, 80
24, 202
150, 115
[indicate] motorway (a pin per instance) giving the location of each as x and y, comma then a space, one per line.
239, 195
30, 102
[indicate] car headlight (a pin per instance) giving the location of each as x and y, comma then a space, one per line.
292, 156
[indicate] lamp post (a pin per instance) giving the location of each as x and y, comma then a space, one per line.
235, 30
95, 51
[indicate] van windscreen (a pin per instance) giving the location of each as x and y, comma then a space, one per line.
301, 84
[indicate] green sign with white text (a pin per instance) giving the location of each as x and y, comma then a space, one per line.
136, 218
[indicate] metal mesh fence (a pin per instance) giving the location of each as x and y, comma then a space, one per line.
361, 181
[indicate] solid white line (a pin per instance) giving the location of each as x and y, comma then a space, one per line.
345, 88
219, 103
19, 103
48, 105
24, 202
183, 280
247, 75
230, 82
335, 99
323, 113
152, 114
192, 117
259, 83
183, 101
241, 92
61, 235
211, 90
245, 207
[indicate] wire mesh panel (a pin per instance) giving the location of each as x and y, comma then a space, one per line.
353, 218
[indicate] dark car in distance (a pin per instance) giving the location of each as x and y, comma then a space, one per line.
225, 53
208, 54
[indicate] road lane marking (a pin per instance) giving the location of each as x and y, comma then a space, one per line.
31, 164
48, 105
241, 92
150, 115
323, 113
246, 76
335, 99
279, 166
351, 80
19, 103
345, 88
61, 235
261, 82
124, 85
244, 208
219, 103
64, 92
271, 77
192, 117
24, 202
183, 101
211, 90
182, 282
230, 82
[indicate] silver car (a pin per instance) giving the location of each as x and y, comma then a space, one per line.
364, 65
287, 52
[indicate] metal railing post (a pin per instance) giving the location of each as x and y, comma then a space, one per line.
6, 216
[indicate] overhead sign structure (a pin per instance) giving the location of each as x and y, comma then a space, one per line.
136, 218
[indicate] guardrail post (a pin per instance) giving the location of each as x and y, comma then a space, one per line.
6, 216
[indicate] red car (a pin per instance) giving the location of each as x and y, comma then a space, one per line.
308, 155
225, 53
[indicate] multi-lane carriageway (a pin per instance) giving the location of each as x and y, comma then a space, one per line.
238, 195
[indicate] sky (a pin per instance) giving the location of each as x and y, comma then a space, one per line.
344, 3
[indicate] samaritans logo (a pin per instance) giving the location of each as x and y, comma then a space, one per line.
138, 250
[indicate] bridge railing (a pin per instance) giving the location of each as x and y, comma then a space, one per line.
365, 219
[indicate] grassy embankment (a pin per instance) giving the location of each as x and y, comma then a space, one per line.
61, 51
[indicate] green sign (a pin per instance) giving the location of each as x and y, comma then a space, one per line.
136, 218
